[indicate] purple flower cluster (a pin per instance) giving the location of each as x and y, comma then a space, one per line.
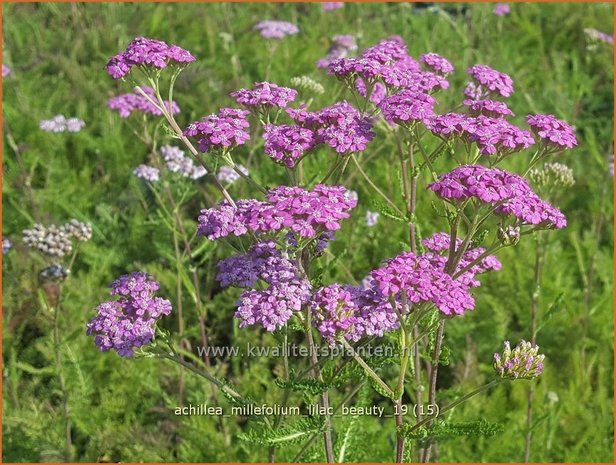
128, 322
508, 192
284, 295
126, 104
228, 175
5, 70
388, 62
438, 246
492, 135
492, 108
329, 6
372, 218
552, 132
264, 94
502, 9
177, 162
306, 213
286, 144
436, 63
333, 312
147, 52
488, 80
377, 93
417, 279
340, 126
595, 35
340, 47
407, 106
221, 131
276, 29
147, 173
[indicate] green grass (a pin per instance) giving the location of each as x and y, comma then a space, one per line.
122, 410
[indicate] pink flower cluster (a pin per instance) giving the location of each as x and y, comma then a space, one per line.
264, 94
407, 106
509, 193
286, 144
488, 80
128, 322
276, 29
436, 63
552, 132
418, 279
492, 108
333, 312
126, 104
147, 52
492, 135
340, 126
221, 131
305, 213
282, 293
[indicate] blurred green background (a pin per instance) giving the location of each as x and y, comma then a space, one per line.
121, 409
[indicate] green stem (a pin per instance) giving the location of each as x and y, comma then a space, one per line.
369, 371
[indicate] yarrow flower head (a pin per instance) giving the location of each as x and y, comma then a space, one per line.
488, 81
307, 84
265, 94
523, 362
340, 47
333, 312
407, 106
177, 162
147, 173
147, 53
305, 213
126, 104
5, 70
598, 36
128, 322
60, 123
502, 9
493, 135
329, 6
53, 241
492, 108
508, 192
415, 278
552, 175
221, 131
282, 293
286, 144
78, 230
228, 175
552, 132
340, 126
436, 63
372, 218
54, 272
276, 29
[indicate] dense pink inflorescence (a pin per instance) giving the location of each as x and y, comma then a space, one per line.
286, 144
147, 52
407, 106
126, 104
224, 130
333, 312
128, 322
276, 29
329, 6
265, 94
493, 108
418, 279
508, 192
436, 63
552, 132
502, 9
283, 291
340, 126
305, 213
492, 135
488, 80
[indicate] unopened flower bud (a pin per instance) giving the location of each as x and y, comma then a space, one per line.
522, 362
509, 235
